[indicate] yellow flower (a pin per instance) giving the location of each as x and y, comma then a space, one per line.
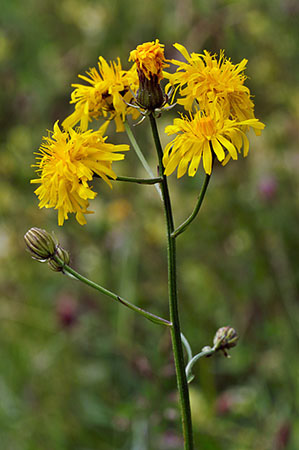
66, 162
203, 136
108, 90
207, 81
149, 58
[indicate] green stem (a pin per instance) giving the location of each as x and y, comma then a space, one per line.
187, 347
181, 228
152, 317
140, 155
207, 352
140, 180
173, 302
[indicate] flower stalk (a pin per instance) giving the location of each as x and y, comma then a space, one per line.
140, 155
224, 339
181, 228
206, 351
45, 248
152, 317
140, 180
187, 347
173, 301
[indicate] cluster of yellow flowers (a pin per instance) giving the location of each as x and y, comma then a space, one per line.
69, 158
211, 89
224, 112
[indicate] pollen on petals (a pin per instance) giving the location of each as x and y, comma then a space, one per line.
66, 162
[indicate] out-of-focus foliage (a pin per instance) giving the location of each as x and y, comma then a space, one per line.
78, 371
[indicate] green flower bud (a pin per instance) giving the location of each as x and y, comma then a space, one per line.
149, 95
63, 255
44, 247
40, 244
225, 338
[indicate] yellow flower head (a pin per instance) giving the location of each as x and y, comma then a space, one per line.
149, 58
66, 162
208, 80
108, 90
203, 136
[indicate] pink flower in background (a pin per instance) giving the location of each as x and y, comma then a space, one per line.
67, 311
267, 188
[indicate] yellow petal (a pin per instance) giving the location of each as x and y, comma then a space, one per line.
182, 50
218, 150
194, 165
229, 146
207, 158
182, 167
172, 163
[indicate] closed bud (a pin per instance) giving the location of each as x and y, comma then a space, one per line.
225, 338
149, 95
44, 247
64, 258
40, 244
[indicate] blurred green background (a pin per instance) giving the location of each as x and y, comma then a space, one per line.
78, 371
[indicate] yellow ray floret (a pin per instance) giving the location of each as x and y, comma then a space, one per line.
150, 59
201, 137
107, 93
66, 162
206, 79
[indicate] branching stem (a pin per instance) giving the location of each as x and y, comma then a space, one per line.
152, 317
181, 228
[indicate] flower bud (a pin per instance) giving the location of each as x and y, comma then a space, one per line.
40, 243
150, 61
44, 247
225, 338
63, 255
149, 95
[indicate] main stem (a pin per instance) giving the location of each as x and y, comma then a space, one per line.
173, 302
